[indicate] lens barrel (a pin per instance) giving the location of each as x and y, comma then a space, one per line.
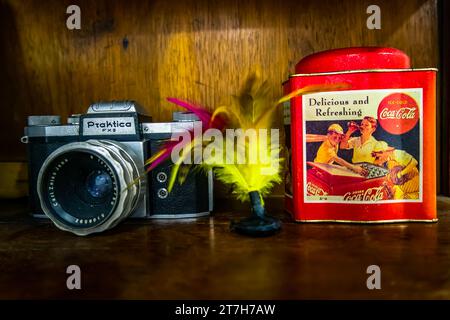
89, 187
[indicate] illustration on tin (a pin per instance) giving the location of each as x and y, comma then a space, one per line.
363, 146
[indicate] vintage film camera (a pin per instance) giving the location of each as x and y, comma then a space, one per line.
81, 173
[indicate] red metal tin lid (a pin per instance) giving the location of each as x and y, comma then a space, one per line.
357, 58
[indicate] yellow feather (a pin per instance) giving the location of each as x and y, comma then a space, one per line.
230, 112
313, 88
184, 154
251, 109
154, 157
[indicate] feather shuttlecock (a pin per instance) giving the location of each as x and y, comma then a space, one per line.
246, 165
238, 143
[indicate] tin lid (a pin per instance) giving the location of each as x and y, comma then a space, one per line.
356, 58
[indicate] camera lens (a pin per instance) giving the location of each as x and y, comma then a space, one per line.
99, 184
88, 187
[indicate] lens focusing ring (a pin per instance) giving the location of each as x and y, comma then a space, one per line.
130, 175
125, 171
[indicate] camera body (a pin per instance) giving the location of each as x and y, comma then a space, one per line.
91, 169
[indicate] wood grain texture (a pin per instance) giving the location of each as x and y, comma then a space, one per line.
202, 259
199, 50
444, 96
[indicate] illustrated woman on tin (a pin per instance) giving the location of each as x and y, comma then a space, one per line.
364, 144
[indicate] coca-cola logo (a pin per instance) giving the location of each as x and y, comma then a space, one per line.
398, 113
403, 113
371, 194
314, 190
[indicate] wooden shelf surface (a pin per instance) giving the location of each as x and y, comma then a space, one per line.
202, 259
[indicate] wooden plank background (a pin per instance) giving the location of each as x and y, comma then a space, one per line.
444, 119
200, 50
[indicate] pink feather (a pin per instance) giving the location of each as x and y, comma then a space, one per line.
205, 117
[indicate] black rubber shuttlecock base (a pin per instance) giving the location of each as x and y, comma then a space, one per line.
257, 227
258, 224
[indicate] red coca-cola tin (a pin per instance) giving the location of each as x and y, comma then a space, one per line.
366, 153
